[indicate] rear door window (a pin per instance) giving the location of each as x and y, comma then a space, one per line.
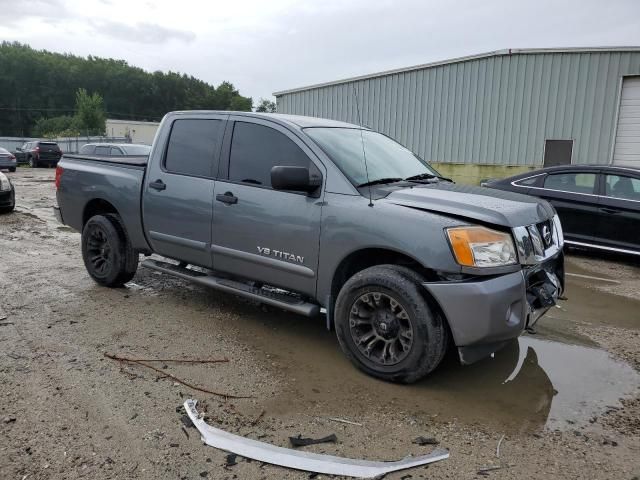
619, 186
87, 149
529, 182
255, 149
116, 152
193, 146
102, 150
571, 182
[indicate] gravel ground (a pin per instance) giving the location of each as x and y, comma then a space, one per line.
565, 400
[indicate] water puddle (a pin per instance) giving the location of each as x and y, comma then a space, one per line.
587, 305
557, 379
530, 384
586, 381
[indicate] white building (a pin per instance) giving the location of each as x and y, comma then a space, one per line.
138, 132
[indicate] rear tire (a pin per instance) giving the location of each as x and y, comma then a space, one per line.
386, 327
107, 252
12, 169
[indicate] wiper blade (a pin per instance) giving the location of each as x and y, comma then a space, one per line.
380, 181
422, 176
426, 176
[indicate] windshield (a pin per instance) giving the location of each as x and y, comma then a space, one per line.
386, 159
137, 149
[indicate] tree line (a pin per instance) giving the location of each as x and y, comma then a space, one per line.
38, 85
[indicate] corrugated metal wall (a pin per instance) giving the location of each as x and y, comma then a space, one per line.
496, 110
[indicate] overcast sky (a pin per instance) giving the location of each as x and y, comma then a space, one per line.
262, 46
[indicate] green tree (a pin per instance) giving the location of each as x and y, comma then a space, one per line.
36, 84
267, 106
90, 115
241, 104
55, 126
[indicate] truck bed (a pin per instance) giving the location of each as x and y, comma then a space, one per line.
133, 160
88, 181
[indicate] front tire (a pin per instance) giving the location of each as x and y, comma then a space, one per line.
386, 327
107, 252
12, 169
33, 163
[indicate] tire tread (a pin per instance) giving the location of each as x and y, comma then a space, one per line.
405, 283
126, 258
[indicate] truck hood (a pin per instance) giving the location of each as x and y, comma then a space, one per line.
476, 203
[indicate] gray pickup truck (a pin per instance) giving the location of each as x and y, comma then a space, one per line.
318, 216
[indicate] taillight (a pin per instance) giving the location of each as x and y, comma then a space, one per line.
37, 149
59, 172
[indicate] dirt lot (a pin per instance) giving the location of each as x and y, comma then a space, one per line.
566, 400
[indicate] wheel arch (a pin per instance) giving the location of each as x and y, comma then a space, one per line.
358, 260
361, 259
97, 206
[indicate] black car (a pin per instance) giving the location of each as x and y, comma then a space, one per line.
599, 206
7, 194
39, 153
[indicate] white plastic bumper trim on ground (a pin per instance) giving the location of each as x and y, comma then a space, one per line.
310, 462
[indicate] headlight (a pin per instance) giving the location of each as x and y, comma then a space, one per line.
5, 185
558, 231
481, 247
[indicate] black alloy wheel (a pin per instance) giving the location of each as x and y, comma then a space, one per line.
381, 328
99, 250
107, 252
387, 325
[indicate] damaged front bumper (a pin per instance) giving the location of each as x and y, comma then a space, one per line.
299, 460
484, 314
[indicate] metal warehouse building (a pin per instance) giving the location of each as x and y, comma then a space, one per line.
498, 113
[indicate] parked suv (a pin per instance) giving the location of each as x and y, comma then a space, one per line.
38, 154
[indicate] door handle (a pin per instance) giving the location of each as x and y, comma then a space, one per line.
228, 198
612, 211
158, 185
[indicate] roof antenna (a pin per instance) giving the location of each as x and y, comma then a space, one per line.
364, 153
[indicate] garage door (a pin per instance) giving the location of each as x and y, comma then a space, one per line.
627, 147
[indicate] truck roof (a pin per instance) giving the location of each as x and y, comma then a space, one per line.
297, 120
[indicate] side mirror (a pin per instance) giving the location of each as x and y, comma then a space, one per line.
18, 149
296, 179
